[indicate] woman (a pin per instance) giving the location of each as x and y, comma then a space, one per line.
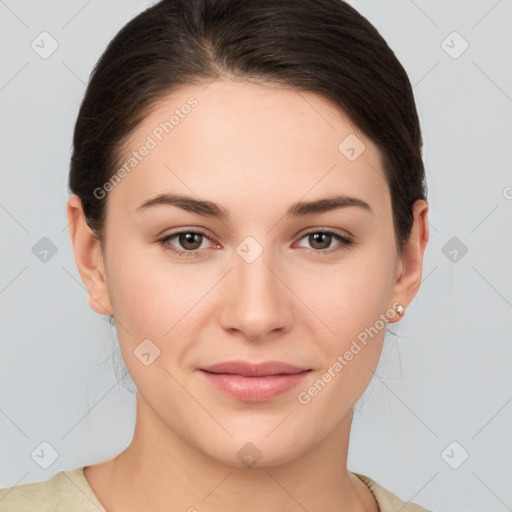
248, 205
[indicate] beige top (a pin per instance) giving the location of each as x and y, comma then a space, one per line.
69, 491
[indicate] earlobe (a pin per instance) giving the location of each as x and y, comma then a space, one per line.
408, 282
89, 257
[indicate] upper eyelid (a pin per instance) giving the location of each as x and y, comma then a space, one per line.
190, 230
343, 233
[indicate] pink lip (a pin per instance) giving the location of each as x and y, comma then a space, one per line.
254, 382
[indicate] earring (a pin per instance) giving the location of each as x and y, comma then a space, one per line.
400, 309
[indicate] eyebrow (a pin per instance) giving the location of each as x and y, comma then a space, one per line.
211, 209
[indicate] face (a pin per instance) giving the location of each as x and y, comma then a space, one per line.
268, 280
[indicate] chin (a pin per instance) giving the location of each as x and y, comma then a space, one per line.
255, 451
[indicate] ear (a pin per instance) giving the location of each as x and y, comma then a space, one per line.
88, 257
410, 264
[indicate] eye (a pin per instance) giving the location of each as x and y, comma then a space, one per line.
320, 240
189, 240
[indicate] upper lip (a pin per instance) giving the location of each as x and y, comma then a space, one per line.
246, 369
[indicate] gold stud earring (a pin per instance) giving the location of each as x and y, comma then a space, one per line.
400, 309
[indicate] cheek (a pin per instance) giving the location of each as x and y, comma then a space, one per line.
352, 295
153, 297
351, 302
134, 294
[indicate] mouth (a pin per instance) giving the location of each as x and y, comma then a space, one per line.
249, 382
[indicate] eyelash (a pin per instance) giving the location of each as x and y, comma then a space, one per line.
345, 242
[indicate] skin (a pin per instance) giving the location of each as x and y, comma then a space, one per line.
254, 148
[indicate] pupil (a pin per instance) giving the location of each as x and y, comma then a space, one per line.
317, 236
188, 238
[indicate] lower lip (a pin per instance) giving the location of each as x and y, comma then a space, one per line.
254, 389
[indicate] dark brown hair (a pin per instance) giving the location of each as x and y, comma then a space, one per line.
322, 46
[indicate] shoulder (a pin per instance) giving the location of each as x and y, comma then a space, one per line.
64, 491
387, 501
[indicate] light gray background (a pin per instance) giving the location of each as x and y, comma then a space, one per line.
445, 378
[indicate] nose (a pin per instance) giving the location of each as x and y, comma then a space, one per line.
256, 304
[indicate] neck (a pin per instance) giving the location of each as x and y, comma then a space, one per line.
160, 471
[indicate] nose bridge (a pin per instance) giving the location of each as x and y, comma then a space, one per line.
256, 280
255, 304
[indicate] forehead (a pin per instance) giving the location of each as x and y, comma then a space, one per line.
250, 146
